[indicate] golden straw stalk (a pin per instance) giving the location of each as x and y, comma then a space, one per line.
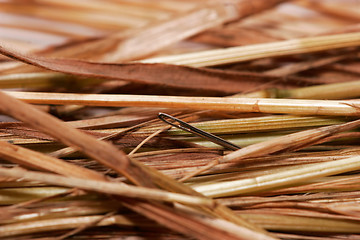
256, 51
283, 178
263, 105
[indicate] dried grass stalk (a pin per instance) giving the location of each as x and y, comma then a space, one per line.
105, 187
296, 175
264, 105
256, 51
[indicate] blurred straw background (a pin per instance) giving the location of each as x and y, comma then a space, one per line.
83, 154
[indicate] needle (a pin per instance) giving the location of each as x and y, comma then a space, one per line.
187, 127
